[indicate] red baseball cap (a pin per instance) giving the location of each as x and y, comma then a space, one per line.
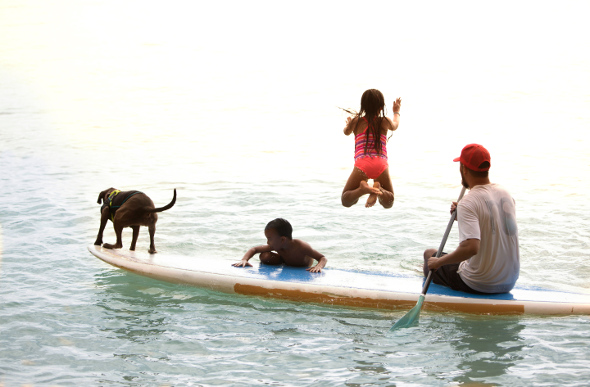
473, 155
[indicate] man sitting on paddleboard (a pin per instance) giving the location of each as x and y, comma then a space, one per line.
289, 251
487, 259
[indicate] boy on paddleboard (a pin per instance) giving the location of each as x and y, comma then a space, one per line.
487, 258
281, 248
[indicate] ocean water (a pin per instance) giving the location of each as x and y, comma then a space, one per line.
236, 106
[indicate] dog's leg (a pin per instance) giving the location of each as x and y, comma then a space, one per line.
152, 230
135, 235
104, 218
118, 231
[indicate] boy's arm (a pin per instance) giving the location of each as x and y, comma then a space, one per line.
250, 253
318, 257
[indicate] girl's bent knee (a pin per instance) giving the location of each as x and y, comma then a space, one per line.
388, 204
348, 203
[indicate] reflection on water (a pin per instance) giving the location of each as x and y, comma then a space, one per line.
461, 349
129, 312
488, 346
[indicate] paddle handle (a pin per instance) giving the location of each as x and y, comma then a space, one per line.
442, 243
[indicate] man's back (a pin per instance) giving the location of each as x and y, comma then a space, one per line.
488, 213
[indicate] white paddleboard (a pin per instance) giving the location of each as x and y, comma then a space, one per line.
338, 287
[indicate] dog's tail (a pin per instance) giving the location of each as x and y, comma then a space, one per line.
167, 206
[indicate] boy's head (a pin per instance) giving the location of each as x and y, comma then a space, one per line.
281, 226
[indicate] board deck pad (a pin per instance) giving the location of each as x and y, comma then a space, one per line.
337, 286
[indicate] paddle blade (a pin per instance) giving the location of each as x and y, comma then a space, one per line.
411, 318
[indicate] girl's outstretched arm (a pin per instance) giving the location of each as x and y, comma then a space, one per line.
349, 126
397, 104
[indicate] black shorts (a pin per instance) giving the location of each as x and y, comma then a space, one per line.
447, 275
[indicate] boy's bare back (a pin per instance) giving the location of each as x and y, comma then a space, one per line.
299, 254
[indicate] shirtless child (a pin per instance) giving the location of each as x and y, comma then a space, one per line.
289, 251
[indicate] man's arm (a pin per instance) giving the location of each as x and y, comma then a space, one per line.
250, 253
467, 249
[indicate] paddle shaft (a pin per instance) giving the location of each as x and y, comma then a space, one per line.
442, 243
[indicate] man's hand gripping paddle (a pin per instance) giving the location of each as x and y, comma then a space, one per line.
411, 318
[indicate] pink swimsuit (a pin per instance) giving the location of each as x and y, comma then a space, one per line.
372, 164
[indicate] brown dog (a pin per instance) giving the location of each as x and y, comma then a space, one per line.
128, 209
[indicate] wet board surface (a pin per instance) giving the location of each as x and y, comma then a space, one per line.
338, 287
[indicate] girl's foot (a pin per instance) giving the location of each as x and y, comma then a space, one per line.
365, 188
373, 196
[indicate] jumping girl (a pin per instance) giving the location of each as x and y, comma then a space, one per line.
370, 156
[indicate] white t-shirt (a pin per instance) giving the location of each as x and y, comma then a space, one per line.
488, 213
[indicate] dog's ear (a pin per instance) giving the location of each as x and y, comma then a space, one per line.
102, 195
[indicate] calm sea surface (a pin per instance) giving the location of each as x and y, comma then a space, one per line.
235, 106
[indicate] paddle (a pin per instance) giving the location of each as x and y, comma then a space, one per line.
411, 318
